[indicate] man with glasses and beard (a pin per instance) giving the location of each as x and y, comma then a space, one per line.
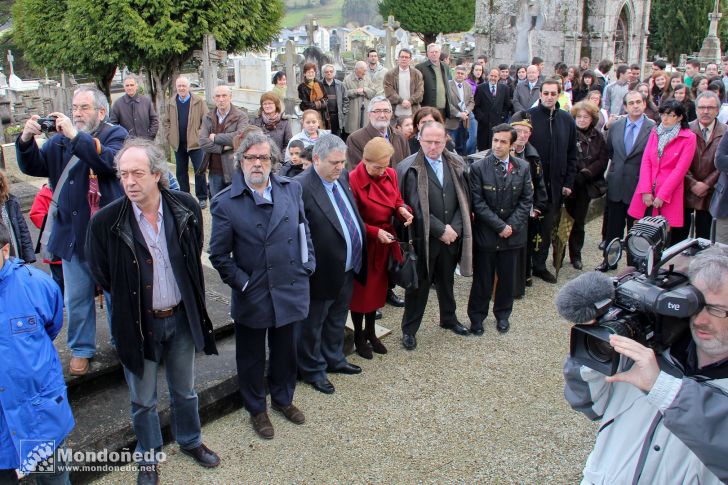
76, 160
380, 118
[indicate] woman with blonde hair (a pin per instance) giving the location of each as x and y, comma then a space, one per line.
270, 120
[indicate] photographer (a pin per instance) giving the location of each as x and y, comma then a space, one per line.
664, 418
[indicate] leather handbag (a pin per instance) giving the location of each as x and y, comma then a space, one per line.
404, 274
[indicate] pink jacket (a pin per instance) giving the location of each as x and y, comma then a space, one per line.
667, 174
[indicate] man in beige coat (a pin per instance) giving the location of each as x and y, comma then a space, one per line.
360, 90
182, 125
404, 96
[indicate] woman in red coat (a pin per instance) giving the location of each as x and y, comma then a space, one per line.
377, 196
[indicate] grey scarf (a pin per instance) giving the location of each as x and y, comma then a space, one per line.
665, 136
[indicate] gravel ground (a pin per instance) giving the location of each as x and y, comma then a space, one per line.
470, 409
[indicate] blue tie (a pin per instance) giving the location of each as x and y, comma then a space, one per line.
350, 226
629, 142
437, 167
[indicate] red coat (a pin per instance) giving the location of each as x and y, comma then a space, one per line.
666, 175
378, 201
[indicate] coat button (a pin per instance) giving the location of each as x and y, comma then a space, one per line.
293, 262
70, 182
149, 261
285, 219
290, 240
270, 268
259, 225
75, 213
292, 282
149, 287
657, 448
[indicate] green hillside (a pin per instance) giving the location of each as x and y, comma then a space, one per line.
328, 15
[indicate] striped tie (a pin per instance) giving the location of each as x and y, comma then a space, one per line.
351, 227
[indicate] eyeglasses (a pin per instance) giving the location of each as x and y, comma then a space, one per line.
381, 111
668, 115
82, 108
706, 108
261, 158
716, 310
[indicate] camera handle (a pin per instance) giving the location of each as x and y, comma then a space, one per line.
671, 253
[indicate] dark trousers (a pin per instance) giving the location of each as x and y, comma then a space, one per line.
334, 125
533, 231
577, 206
442, 269
321, 336
547, 226
250, 359
617, 219
459, 138
703, 220
486, 266
182, 157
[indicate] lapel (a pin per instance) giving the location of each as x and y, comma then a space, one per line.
136, 230
321, 197
280, 203
642, 136
346, 188
618, 146
171, 233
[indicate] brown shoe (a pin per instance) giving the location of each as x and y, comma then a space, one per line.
262, 425
291, 412
78, 366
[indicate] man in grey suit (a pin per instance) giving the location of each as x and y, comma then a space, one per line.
626, 140
526, 94
719, 204
460, 109
337, 102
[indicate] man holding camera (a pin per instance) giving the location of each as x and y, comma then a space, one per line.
663, 418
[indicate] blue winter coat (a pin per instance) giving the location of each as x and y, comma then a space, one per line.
69, 232
33, 401
259, 246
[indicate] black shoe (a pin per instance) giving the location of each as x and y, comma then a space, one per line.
577, 264
529, 281
409, 342
323, 386
345, 369
603, 267
148, 475
477, 330
456, 327
545, 275
378, 315
203, 455
602, 245
394, 300
503, 325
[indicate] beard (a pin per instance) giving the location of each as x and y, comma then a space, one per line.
89, 127
379, 125
256, 179
716, 346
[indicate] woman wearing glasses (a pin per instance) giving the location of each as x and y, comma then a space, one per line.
666, 160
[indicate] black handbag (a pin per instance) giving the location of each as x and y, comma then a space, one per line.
404, 274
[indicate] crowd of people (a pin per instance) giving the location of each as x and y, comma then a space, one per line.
378, 187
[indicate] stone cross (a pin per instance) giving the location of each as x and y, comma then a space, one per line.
210, 59
311, 28
390, 41
291, 59
10, 61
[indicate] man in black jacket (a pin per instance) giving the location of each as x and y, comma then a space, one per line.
554, 138
435, 75
150, 242
492, 104
501, 193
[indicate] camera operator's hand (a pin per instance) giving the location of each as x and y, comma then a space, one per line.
65, 126
645, 370
31, 129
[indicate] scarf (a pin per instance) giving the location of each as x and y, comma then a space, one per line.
270, 122
665, 136
316, 92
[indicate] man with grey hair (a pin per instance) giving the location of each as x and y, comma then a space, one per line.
380, 117
703, 175
359, 89
664, 415
527, 93
261, 246
435, 75
182, 125
134, 111
337, 231
151, 241
462, 109
78, 158
337, 102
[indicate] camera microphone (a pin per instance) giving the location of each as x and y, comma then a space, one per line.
585, 298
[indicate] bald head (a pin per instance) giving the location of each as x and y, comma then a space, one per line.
532, 73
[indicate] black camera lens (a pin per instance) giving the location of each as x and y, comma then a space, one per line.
599, 350
47, 125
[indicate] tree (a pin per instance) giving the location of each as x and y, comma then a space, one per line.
679, 27
51, 38
428, 18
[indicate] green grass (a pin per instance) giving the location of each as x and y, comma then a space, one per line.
328, 15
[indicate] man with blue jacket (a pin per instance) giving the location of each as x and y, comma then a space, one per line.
35, 416
79, 164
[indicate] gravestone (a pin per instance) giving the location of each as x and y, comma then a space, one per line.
290, 59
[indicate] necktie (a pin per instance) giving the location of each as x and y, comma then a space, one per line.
492, 90
460, 86
351, 227
437, 167
629, 142
705, 134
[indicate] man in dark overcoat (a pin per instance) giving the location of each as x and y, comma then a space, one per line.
261, 246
